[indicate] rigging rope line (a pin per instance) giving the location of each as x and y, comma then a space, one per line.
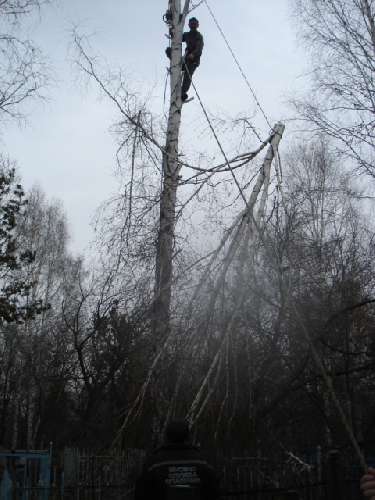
165, 88
238, 65
308, 337
218, 141
316, 356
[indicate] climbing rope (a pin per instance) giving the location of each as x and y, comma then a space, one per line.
238, 64
217, 140
316, 356
305, 331
165, 88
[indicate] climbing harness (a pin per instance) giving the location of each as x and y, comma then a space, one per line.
167, 17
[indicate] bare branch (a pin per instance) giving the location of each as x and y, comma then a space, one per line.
195, 6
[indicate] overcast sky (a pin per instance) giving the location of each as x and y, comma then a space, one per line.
66, 147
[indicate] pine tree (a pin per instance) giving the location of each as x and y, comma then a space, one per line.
15, 304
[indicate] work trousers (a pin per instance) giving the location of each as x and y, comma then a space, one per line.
188, 69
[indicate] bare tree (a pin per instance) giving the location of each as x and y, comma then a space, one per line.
16, 8
43, 231
340, 35
159, 175
23, 72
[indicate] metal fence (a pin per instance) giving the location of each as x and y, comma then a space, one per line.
84, 475
260, 479
92, 476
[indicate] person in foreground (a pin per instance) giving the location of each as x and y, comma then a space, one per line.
368, 483
177, 470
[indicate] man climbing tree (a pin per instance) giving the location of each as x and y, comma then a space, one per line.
194, 47
193, 52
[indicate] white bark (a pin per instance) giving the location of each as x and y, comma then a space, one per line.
171, 170
265, 173
243, 233
271, 154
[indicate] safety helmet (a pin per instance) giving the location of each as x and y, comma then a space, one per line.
193, 22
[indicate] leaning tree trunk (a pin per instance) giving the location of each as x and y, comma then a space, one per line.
170, 173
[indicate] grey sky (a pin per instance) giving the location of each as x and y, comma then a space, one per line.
66, 147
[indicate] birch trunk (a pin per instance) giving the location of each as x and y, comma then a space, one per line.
15, 418
30, 418
243, 233
265, 177
170, 173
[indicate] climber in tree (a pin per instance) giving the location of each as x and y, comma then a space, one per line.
193, 52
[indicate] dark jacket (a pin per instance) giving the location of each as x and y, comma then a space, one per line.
194, 44
177, 472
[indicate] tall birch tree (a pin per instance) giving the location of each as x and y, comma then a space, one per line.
171, 171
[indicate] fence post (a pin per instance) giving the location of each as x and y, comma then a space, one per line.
335, 477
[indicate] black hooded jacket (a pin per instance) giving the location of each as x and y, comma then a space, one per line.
194, 44
177, 472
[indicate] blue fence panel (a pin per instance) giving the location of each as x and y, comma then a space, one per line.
26, 471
